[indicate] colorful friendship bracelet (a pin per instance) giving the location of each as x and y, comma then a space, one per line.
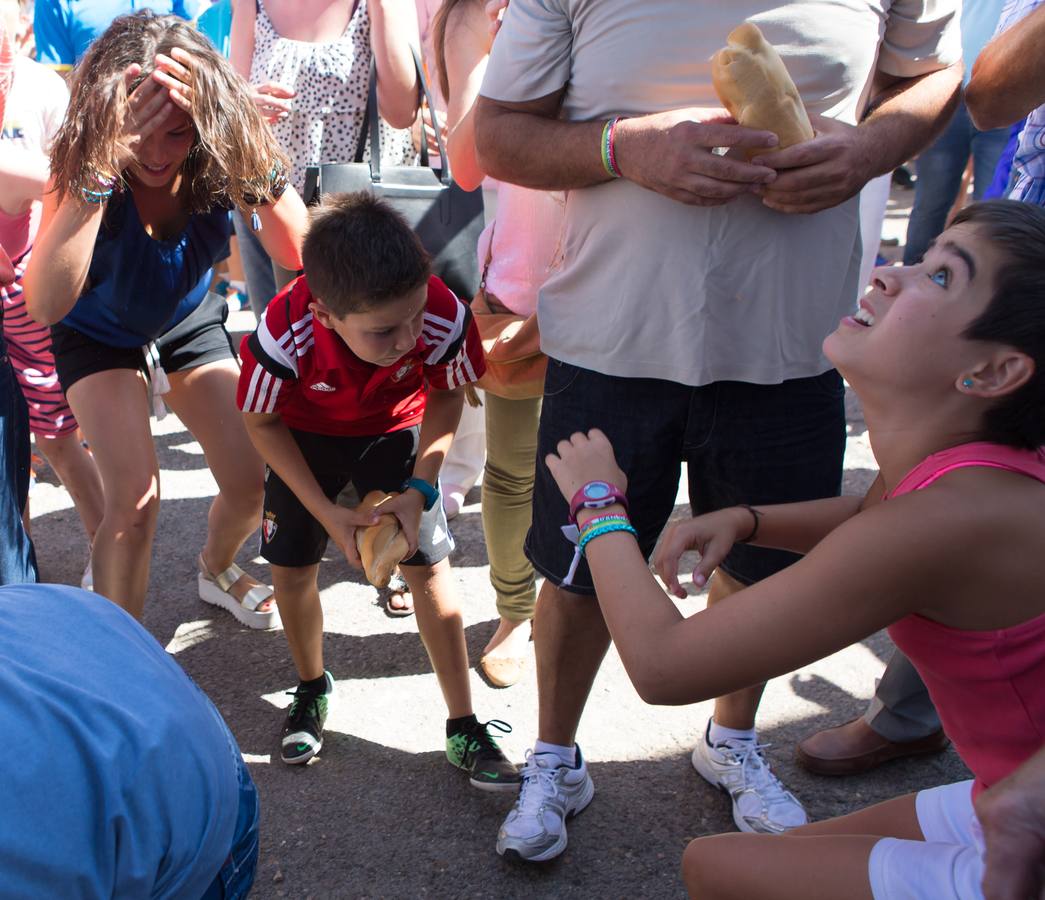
609, 156
608, 528
107, 185
595, 521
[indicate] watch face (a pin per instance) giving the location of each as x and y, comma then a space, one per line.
597, 490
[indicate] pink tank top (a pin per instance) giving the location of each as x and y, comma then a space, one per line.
988, 686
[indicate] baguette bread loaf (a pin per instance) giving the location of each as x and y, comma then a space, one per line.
752, 82
382, 546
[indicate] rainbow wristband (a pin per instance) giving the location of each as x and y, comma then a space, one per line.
609, 156
595, 521
608, 528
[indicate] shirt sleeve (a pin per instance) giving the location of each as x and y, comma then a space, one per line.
55, 102
531, 56
454, 353
54, 44
921, 36
269, 356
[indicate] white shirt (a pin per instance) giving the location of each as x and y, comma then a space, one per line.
650, 287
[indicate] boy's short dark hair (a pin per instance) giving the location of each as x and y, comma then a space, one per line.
359, 253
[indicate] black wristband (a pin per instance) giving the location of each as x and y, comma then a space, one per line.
756, 515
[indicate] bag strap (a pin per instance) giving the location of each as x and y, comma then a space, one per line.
372, 120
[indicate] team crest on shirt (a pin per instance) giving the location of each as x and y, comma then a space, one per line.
268, 527
403, 370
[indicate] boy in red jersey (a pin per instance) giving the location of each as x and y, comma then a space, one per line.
355, 374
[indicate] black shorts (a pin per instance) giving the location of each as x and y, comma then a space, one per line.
742, 443
291, 536
197, 339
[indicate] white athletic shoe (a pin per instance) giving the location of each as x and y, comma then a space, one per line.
551, 793
761, 804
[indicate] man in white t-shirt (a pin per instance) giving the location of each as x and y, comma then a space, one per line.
687, 317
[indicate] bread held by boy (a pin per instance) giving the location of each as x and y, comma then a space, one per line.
382, 546
753, 83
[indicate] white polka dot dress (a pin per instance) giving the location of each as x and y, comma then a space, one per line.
331, 81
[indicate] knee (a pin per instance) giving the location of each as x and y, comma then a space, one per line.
706, 867
133, 512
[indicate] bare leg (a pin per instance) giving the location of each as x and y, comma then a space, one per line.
76, 469
442, 630
736, 710
204, 399
113, 411
820, 861
297, 596
570, 639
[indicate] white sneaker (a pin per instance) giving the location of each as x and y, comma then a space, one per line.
551, 792
761, 804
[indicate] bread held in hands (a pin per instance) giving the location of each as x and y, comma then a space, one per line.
753, 83
382, 546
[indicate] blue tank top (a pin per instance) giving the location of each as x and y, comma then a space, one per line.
140, 287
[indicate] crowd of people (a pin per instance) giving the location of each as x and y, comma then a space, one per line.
699, 294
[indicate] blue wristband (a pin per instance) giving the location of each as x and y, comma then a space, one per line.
426, 490
600, 530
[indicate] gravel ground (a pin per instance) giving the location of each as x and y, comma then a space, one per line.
380, 813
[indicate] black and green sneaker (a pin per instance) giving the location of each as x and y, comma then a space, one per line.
303, 728
470, 747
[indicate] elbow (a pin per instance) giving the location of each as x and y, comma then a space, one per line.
985, 115
37, 310
488, 143
659, 688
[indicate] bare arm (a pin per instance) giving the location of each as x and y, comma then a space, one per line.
393, 31
669, 153
23, 176
1008, 78
57, 270
241, 36
905, 116
283, 227
276, 445
442, 416
466, 53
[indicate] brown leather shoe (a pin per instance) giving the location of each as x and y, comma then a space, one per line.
856, 747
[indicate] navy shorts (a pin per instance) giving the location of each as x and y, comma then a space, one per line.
198, 339
290, 534
742, 443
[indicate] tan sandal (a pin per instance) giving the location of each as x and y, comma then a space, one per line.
217, 590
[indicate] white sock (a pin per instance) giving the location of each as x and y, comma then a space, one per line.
567, 755
719, 734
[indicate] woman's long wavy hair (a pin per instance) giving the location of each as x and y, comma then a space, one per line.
234, 155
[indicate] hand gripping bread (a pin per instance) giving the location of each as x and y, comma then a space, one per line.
752, 82
382, 546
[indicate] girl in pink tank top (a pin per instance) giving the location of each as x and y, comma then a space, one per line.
948, 360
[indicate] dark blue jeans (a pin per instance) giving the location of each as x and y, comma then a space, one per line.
17, 557
940, 170
236, 877
742, 443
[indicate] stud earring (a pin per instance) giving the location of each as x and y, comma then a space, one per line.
967, 382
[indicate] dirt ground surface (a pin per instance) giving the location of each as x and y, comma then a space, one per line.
380, 813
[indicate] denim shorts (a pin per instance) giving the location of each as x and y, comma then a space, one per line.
236, 877
742, 443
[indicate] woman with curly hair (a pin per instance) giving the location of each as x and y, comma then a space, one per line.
160, 140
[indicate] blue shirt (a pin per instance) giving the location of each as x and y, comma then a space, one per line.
1028, 164
140, 287
216, 23
64, 29
123, 781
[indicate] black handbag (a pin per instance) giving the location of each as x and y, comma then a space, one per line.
446, 218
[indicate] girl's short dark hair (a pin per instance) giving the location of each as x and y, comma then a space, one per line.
360, 252
1015, 315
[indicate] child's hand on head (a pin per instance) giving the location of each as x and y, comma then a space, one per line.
584, 458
